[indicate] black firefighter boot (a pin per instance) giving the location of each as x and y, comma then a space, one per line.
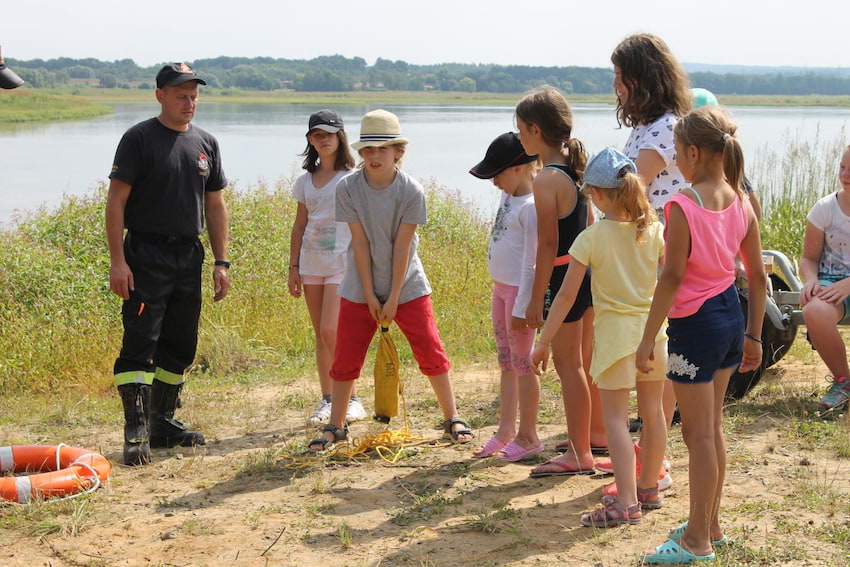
136, 400
165, 430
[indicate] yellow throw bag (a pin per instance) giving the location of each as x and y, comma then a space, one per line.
387, 383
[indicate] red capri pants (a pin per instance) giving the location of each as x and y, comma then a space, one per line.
356, 328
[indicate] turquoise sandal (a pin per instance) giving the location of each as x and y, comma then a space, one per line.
671, 553
676, 534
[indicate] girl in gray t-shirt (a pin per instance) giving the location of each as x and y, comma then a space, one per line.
384, 279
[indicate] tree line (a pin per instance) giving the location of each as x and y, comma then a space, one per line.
336, 73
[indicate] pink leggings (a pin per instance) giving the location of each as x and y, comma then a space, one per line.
514, 347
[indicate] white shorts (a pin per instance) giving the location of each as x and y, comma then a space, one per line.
335, 279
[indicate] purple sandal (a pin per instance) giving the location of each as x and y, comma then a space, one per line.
612, 514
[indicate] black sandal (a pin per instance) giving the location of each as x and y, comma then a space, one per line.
454, 435
340, 434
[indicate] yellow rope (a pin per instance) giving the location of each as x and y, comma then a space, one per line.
388, 445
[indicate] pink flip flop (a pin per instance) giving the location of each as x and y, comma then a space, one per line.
563, 470
513, 452
488, 449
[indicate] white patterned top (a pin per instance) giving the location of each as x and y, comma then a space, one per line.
658, 136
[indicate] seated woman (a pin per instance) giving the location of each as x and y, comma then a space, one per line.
825, 267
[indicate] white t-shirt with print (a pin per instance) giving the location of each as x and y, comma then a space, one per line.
513, 247
325, 240
828, 217
658, 136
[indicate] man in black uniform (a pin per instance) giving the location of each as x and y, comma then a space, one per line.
166, 179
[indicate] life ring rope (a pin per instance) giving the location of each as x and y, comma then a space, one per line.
83, 475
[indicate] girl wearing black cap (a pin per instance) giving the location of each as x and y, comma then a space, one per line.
513, 241
318, 246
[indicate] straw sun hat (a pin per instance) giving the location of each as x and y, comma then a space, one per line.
379, 128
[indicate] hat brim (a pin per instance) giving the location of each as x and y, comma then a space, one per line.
487, 170
325, 127
9, 79
180, 80
357, 146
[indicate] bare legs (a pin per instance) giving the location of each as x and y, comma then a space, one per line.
598, 437
701, 406
821, 320
323, 306
567, 358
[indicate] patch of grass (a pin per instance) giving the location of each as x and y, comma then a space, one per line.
262, 464
42, 518
500, 519
26, 105
814, 433
426, 503
344, 534
199, 527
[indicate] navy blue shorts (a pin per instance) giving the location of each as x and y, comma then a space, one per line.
710, 339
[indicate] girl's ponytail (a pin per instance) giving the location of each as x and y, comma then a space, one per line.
576, 158
630, 198
733, 162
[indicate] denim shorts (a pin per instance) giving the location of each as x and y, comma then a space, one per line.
710, 339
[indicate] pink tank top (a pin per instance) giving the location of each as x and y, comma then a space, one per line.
715, 240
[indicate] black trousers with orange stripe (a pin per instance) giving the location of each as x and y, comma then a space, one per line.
161, 317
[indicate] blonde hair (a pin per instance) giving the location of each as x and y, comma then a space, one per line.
630, 199
712, 130
402, 147
549, 110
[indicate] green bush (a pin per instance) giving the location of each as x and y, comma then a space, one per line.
60, 325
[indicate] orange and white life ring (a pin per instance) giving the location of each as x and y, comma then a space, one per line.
60, 471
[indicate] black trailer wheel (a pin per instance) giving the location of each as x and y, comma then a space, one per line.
775, 343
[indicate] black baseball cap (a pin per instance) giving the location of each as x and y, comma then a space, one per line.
327, 120
504, 152
176, 74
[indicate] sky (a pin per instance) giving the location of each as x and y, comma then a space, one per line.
546, 32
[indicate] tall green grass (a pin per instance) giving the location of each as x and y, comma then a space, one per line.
60, 325
790, 183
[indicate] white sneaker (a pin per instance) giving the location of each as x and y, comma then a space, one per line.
322, 413
355, 412
665, 482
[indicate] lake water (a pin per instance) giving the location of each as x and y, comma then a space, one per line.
41, 163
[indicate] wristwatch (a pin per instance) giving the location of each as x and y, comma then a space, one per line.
224, 263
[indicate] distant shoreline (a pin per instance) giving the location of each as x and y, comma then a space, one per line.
50, 105
106, 96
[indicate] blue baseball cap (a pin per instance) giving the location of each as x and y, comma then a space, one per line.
607, 169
